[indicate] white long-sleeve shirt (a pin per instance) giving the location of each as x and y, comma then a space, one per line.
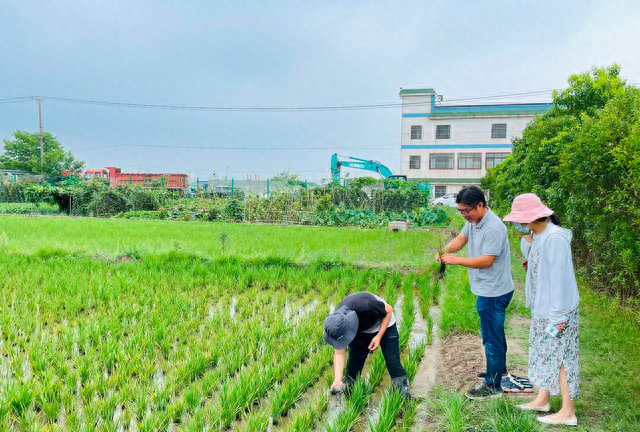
556, 290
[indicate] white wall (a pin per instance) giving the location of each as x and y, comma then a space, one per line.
474, 132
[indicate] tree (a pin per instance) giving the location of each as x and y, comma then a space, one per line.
581, 158
288, 177
23, 153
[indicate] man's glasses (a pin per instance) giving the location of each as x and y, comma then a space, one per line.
466, 212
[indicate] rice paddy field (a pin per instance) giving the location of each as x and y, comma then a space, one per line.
115, 325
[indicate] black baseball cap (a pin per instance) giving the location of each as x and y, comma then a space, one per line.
340, 327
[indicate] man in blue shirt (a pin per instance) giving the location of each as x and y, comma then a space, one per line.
489, 264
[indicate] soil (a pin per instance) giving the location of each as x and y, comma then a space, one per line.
124, 258
456, 361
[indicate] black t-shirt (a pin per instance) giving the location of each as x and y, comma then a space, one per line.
368, 307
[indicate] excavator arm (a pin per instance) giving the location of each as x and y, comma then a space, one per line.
363, 164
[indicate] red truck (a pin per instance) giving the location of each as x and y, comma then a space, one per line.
116, 177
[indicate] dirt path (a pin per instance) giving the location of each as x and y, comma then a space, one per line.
455, 362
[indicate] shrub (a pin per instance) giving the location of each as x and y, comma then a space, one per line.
11, 192
581, 158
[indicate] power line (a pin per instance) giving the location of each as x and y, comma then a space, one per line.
264, 109
15, 99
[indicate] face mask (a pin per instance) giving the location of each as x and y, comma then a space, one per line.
521, 228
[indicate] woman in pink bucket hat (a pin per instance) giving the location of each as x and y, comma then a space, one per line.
552, 294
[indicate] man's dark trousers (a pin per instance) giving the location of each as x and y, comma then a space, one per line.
492, 312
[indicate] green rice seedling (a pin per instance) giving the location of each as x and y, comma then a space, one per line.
253, 382
408, 417
257, 421
307, 417
49, 402
391, 405
358, 398
441, 251
429, 330
450, 408
378, 368
285, 396
435, 291
378, 282
458, 310
423, 287
413, 359
396, 279
408, 317
390, 292
20, 396
408, 283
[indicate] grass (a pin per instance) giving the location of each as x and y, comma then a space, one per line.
609, 343
107, 237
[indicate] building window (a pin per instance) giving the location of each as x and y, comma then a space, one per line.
414, 162
469, 160
499, 130
416, 132
494, 159
441, 161
439, 191
443, 131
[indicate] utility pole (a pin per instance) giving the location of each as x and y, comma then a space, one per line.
41, 136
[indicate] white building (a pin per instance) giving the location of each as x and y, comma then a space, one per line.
452, 146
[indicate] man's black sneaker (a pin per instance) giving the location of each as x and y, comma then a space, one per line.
483, 391
483, 375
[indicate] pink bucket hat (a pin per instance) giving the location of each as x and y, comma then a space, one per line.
526, 208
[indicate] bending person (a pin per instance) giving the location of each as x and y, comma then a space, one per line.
552, 294
364, 322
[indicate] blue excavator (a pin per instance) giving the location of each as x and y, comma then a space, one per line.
363, 164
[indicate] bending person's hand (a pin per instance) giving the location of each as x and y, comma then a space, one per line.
375, 343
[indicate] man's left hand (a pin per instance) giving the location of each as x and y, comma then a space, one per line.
450, 259
375, 343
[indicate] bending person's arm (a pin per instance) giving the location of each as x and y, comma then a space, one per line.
339, 360
375, 342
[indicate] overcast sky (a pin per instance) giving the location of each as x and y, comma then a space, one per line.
282, 54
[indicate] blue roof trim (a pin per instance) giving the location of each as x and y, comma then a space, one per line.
455, 146
476, 108
479, 108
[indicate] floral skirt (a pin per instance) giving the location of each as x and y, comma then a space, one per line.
547, 354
